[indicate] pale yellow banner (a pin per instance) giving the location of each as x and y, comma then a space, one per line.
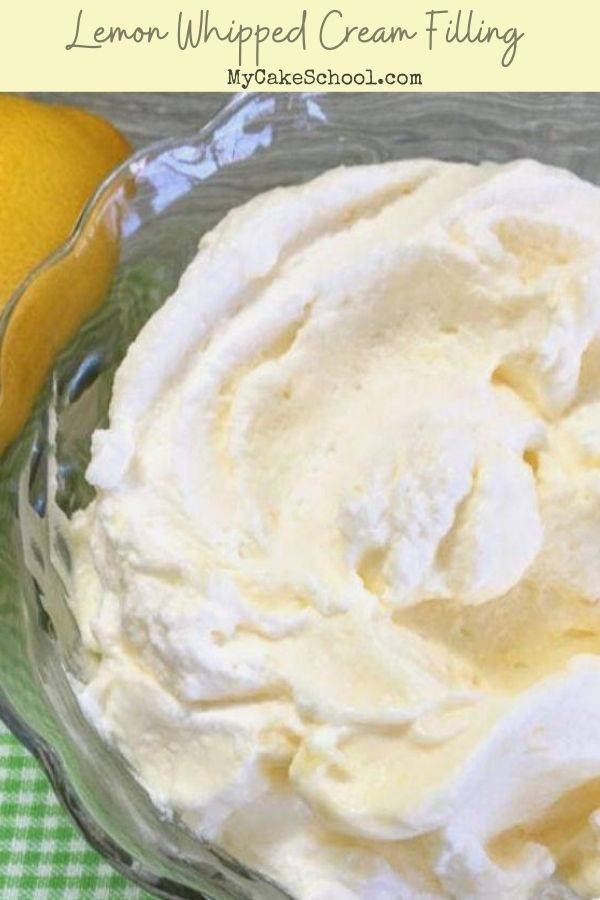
230, 45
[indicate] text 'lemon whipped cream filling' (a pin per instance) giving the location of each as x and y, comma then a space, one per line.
340, 583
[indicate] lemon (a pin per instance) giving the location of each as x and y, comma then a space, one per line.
51, 160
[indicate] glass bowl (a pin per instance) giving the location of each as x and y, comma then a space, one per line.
150, 213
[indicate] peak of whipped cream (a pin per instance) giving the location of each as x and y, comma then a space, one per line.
340, 582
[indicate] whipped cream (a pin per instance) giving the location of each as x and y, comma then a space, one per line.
340, 582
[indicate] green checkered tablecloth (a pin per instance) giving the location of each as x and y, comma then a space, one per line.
42, 855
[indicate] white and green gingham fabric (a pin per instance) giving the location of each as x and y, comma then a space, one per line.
42, 855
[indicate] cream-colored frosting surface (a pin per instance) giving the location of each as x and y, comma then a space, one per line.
340, 583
